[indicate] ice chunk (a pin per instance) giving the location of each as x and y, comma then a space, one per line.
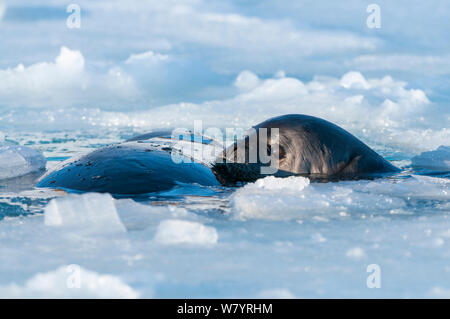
70, 281
385, 112
89, 213
290, 184
17, 160
438, 159
416, 186
141, 217
175, 231
294, 198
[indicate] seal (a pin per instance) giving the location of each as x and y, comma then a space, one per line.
133, 167
305, 145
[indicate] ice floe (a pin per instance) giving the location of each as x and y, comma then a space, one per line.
294, 198
86, 213
17, 160
173, 231
71, 281
438, 159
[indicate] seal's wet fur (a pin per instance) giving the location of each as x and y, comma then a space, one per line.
308, 146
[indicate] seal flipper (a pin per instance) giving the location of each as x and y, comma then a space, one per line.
128, 168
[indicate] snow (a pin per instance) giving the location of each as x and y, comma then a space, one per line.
318, 245
290, 184
172, 232
17, 160
86, 213
64, 81
70, 281
387, 112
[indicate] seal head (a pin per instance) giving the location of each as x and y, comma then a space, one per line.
299, 145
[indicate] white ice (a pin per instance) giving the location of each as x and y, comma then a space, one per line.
86, 213
172, 231
17, 160
438, 159
383, 111
70, 281
278, 238
294, 198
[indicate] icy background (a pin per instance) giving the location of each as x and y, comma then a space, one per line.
138, 66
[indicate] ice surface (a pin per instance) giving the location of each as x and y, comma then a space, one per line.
276, 237
290, 184
320, 257
17, 160
173, 231
287, 245
86, 213
416, 187
383, 111
70, 281
438, 159
294, 198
